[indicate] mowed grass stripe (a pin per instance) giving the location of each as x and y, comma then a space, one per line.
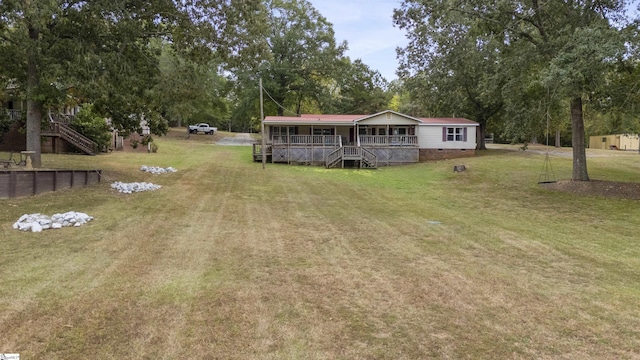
231, 261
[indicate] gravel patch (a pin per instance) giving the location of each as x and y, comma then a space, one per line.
38, 222
242, 139
128, 188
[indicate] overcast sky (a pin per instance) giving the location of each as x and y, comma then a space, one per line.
367, 26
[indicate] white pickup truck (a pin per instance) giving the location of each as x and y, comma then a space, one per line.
202, 128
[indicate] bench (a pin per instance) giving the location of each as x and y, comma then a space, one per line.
10, 162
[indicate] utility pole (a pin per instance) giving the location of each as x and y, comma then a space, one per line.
264, 140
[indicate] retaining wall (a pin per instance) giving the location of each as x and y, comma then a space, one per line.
19, 183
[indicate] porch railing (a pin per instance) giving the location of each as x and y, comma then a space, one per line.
324, 140
336, 140
14, 114
388, 140
62, 118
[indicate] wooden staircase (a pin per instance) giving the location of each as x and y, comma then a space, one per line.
65, 132
365, 158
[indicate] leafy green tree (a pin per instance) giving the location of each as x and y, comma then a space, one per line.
190, 92
102, 49
359, 90
567, 47
92, 125
461, 76
302, 55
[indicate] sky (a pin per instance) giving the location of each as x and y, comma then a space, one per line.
367, 26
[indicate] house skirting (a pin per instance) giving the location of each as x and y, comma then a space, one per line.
441, 154
308, 155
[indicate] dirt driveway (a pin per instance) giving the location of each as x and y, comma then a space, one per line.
561, 152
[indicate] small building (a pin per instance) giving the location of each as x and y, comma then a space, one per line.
615, 142
385, 138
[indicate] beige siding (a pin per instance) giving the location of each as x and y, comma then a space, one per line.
430, 137
393, 119
628, 142
621, 142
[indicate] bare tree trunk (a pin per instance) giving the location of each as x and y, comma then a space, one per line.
577, 141
558, 144
34, 111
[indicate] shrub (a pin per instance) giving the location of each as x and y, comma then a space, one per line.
92, 125
5, 122
154, 147
146, 140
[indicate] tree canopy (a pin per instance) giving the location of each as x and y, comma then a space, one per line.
101, 51
491, 57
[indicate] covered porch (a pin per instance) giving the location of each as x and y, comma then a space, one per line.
339, 140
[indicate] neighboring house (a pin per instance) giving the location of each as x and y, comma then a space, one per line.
59, 137
385, 138
615, 142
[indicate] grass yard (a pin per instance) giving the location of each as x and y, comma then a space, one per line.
230, 261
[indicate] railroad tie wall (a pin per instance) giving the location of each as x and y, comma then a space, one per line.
20, 183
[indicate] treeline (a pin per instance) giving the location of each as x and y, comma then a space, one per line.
520, 68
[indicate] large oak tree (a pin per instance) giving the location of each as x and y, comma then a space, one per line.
564, 47
102, 50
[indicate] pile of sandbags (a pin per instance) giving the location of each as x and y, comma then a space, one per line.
128, 188
38, 222
157, 170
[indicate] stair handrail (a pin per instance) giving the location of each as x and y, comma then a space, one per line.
370, 157
77, 139
333, 157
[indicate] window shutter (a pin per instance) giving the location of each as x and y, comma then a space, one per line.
444, 134
464, 135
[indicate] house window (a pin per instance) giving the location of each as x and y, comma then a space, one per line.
282, 131
362, 130
382, 131
454, 134
322, 131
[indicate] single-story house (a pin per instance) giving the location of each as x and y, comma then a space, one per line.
385, 138
615, 142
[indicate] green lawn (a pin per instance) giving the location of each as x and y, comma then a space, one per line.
230, 261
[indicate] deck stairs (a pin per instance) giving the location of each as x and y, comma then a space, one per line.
362, 156
64, 131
